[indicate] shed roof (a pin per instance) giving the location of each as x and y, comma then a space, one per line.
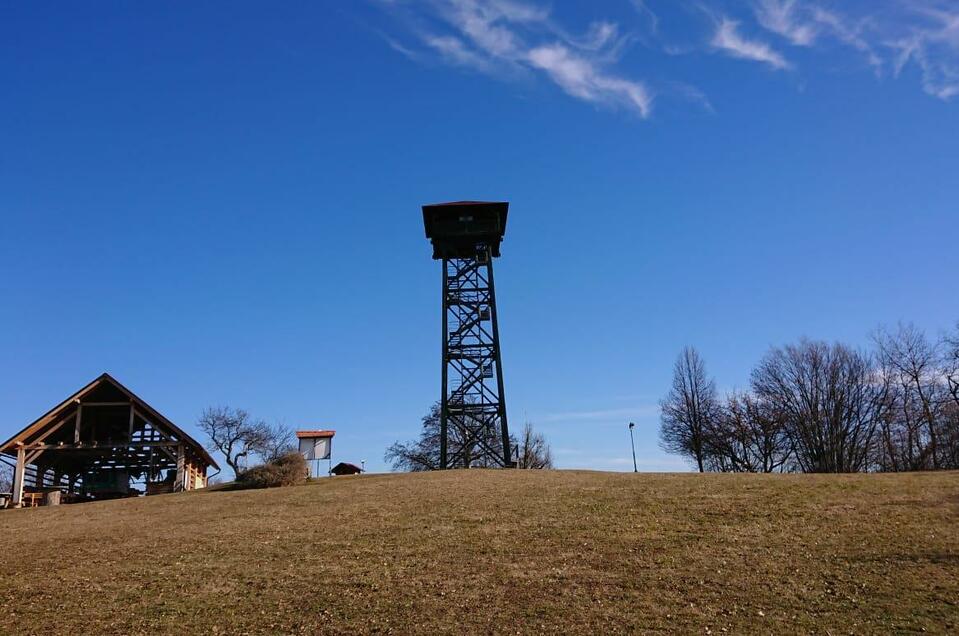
314, 434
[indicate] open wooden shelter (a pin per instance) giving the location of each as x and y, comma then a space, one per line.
100, 443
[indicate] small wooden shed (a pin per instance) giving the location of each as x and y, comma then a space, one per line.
100, 443
345, 468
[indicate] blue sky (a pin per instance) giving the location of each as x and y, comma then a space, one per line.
218, 203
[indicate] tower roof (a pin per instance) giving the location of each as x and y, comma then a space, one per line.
458, 227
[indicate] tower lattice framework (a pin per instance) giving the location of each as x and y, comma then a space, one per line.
473, 424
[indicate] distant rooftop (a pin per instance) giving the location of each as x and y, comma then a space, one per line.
312, 434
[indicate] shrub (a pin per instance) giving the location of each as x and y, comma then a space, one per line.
285, 470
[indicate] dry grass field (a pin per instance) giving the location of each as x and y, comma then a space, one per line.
497, 552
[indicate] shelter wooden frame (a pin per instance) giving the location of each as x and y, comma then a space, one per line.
98, 438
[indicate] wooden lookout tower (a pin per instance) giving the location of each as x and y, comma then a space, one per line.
466, 236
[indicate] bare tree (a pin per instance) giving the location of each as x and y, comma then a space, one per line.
918, 390
689, 409
279, 440
949, 441
6, 478
234, 433
749, 435
420, 454
831, 399
949, 437
423, 453
950, 345
533, 450
817, 407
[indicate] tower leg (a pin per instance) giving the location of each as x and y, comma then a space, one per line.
444, 402
473, 426
504, 427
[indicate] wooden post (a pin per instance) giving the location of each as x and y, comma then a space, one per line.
131, 421
76, 428
180, 468
18, 477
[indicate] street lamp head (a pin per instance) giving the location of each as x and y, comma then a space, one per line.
632, 425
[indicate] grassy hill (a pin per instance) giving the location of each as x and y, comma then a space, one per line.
497, 551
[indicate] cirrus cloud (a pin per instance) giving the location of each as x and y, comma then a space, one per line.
508, 37
728, 39
522, 39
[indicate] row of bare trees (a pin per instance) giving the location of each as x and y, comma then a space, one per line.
921, 431
818, 407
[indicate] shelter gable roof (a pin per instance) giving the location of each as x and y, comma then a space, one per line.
103, 387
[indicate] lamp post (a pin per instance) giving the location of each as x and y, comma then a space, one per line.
633, 444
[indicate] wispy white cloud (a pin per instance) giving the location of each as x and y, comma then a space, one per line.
599, 35
453, 50
580, 78
728, 39
849, 32
622, 463
805, 24
635, 412
500, 37
888, 34
933, 46
397, 46
647, 14
781, 16
522, 39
